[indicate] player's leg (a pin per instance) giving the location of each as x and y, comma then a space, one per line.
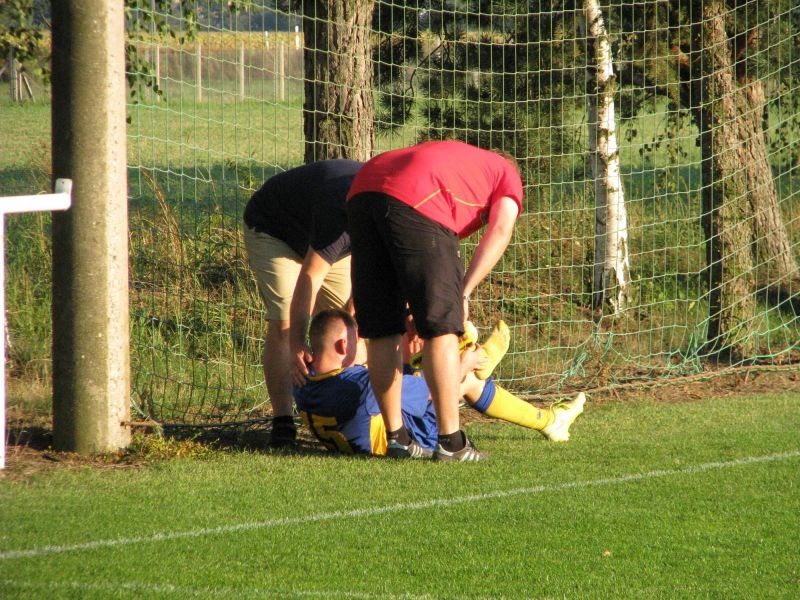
495, 348
336, 288
276, 267
564, 415
418, 413
385, 376
440, 361
553, 421
380, 311
275, 360
431, 273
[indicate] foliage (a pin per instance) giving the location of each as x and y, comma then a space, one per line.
653, 53
504, 73
785, 101
21, 31
182, 20
154, 19
21, 28
494, 74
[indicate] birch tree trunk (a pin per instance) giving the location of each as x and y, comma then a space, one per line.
611, 278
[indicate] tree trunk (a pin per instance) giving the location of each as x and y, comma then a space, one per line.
611, 257
338, 111
727, 213
772, 248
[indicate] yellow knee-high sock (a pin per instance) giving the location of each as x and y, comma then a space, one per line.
495, 348
508, 407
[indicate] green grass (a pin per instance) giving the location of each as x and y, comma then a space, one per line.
539, 520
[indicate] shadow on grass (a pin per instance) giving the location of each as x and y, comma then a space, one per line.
250, 436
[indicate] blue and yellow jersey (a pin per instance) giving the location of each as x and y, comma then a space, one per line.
340, 409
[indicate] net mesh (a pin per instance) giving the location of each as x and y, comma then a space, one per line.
508, 75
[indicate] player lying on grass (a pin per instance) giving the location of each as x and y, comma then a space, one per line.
339, 406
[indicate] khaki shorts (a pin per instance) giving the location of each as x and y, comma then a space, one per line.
276, 267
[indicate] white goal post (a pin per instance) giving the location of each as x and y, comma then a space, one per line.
60, 200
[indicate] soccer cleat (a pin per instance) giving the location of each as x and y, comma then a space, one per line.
564, 414
284, 432
397, 450
468, 453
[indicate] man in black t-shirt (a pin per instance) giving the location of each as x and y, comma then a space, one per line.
299, 250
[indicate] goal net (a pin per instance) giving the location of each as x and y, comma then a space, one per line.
691, 107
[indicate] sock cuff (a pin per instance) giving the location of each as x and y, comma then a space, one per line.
401, 435
487, 396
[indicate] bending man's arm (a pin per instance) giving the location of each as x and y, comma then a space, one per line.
312, 275
494, 242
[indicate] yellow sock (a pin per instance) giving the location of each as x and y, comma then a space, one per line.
508, 407
495, 347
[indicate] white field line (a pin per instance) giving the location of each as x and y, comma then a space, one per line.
393, 508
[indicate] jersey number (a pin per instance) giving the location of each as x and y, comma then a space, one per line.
325, 428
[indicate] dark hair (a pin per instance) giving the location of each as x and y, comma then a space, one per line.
322, 322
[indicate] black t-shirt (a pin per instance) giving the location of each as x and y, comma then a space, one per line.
305, 207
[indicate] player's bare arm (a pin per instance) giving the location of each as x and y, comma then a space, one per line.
309, 282
502, 216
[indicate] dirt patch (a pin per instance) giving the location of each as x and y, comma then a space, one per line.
29, 452
23, 462
730, 384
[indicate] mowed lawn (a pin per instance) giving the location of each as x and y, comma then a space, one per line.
648, 500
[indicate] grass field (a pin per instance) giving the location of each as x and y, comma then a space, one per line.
648, 500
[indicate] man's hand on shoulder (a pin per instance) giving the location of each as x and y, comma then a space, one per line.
300, 359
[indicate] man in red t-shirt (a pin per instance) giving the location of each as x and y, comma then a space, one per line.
407, 210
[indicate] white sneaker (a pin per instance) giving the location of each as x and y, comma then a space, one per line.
565, 414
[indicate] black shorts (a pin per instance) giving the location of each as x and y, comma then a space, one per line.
399, 256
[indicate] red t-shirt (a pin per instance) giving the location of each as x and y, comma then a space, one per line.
450, 182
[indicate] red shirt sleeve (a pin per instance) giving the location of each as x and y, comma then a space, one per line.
508, 184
